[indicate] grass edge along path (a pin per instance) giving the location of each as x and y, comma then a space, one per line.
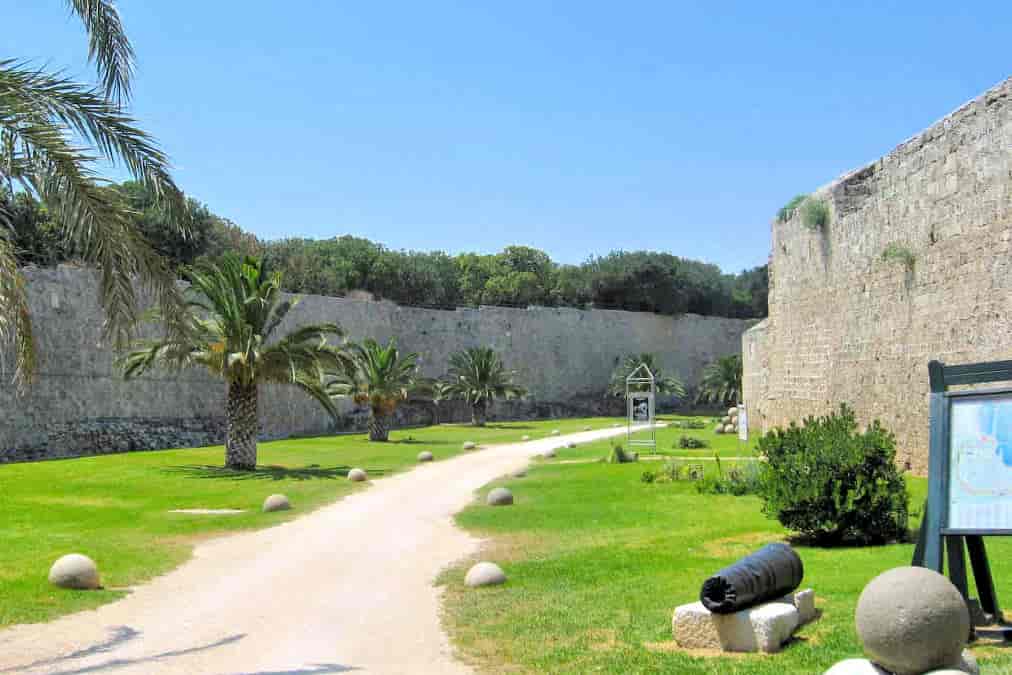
597, 561
116, 508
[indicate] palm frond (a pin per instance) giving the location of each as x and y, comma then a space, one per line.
108, 46
15, 319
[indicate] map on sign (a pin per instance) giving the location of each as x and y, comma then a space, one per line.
980, 463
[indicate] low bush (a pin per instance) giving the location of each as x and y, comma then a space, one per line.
691, 442
674, 471
739, 480
814, 214
620, 455
833, 484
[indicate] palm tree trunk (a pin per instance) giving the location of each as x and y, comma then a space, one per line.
379, 427
242, 425
479, 413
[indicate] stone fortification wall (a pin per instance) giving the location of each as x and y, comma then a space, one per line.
848, 325
80, 404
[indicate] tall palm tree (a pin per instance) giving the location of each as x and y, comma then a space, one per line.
235, 308
382, 377
662, 384
721, 381
478, 376
52, 132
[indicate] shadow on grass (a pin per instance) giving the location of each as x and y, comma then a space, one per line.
270, 472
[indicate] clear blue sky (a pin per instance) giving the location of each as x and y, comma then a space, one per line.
576, 127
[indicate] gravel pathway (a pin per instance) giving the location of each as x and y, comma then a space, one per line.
346, 588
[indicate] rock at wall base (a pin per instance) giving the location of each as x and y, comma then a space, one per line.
759, 629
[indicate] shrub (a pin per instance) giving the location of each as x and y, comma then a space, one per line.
675, 471
833, 484
814, 213
896, 252
620, 456
690, 442
739, 480
786, 212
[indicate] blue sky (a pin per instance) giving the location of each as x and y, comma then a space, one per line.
575, 127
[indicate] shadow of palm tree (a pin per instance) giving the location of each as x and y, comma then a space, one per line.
122, 663
315, 669
120, 635
269, 472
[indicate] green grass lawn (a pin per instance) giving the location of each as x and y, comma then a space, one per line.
115, 508
597, 561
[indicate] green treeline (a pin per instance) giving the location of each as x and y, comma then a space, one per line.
517, 276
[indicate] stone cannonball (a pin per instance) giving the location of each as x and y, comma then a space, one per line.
470, 445
356, 475
499, 496
587, 428
424, 456
726, 419
571, 445
731, 412
525, 438
519, 473
485, 574
74, 571
855, 667
719, 429
549, 453
276, 503
912, 620
555, 432
729, 429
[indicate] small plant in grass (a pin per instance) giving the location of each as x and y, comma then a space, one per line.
691, 443
833, 484
690, 424
787, 211
674, 471
620, 455
896, 252
738, 480
814, 213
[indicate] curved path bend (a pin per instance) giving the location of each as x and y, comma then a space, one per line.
347, 588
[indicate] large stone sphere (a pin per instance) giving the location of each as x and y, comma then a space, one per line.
731, 412
855, 667
555, 432
276, 503
424, 456
550, 452
469, 445
571, 445
356, 475
912, 620
587, 428
74, 571
485, 574
499, 496
519, 473
525, 438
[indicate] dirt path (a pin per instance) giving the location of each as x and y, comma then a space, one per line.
346, 588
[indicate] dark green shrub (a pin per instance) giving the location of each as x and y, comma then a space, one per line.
814, 213
690, 442
648, 476
619, 455
833, 484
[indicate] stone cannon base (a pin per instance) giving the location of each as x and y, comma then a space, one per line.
763, 628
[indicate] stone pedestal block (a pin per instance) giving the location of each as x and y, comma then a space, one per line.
759, 629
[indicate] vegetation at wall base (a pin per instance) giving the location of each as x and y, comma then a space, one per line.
721, 381
663, 384
833, 484
477, 376
814, 214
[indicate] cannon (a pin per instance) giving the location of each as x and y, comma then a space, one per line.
770, 573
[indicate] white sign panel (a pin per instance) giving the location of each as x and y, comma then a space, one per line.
742, 423
980, 463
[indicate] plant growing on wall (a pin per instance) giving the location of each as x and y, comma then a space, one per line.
235, 307
664, 384
721, 382
814, 213
382, 378
787, 211
896, 252
478, 377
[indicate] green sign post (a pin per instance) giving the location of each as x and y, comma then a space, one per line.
969, 474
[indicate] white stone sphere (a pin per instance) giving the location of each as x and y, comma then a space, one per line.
499, 496
470, 445
276, 503
485, 574
424, 456
76, 571
356, 475
912, 620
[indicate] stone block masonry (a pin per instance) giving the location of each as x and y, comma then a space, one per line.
847, 325
80, 405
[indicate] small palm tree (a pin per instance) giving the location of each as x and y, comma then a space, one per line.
662, 384
721, 381
382, 377
235, 308
440, 392
478, 376
52, 132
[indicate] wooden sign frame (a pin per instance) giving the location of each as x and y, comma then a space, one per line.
935, 534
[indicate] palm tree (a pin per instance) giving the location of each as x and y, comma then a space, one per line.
235, 307
477, 376
440, 392
382, 377
47, 124
662, 384
721, 381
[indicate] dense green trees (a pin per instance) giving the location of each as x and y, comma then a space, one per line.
517, 276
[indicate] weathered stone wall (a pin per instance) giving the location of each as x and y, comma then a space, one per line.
80, 404
846, 325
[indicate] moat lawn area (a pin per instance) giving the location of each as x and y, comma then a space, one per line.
597, 561
116, 508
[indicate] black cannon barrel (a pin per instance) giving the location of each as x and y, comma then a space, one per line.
770, 573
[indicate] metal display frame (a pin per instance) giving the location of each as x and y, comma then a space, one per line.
935, 534
641, 378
